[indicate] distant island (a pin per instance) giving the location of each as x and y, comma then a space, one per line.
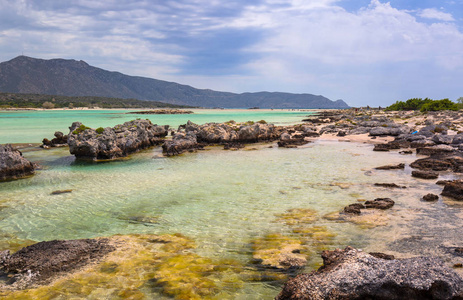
74, 78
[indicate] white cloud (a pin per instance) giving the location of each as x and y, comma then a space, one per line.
432, 13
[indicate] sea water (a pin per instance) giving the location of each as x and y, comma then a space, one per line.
223, 200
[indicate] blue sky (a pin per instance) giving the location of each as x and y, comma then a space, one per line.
364, 52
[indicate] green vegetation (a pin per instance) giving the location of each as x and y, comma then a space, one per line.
80, 129
424, 105
99, 130
12, 100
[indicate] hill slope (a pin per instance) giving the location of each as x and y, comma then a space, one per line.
76, 78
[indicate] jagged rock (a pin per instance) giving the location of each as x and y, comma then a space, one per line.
291, 140
389, 131
395, 144
380, 203
60, 140
430, 197
354, 274
111, 143
425, 174
391, 167
180, 143
453, 189
433, 164
422, 143
13, 165
457, 139
41, 261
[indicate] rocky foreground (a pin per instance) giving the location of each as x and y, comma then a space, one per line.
354, 274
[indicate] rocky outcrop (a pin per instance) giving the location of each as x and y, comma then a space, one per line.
60, 140
391, 167
378, 203
453, 189
111, 143
41, 261
13, 165
430, 197
354, 274
180, 143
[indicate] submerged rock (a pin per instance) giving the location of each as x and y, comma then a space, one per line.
41, 261
13, 165
425, 174
116, 142
430, 197
391, 167
354, 274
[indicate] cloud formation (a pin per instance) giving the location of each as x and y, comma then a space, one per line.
375, 53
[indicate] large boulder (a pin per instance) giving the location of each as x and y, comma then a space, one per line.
13, 165
354, 274
111, 143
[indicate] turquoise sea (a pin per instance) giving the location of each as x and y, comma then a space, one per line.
223, 200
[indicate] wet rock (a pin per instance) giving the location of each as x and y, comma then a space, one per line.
391, 167
116, 142
390, 185
354, 208
392, 145
60, 140
41, 261
180, 143
454, 190
406, 152
353, 274
430, 197
382, 255
58, 192
433, 164
380, 203
13, 165
425, 174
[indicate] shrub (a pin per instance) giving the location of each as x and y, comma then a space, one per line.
99, 130
48, 105
80, 129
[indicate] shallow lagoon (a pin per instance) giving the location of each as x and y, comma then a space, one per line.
223, 200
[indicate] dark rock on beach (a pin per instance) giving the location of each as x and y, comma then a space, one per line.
390, 185
116, 142
353, 274
354, 208
454, 190
13, 165
425, 174
37, 263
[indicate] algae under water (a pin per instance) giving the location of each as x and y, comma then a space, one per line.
223, 203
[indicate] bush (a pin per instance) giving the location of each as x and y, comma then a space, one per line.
99, 130
423, 105
48, 105
80, 129
436, 105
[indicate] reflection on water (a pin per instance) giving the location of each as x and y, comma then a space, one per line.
226, 200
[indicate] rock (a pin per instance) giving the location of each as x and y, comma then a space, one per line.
457, 139
454, 190
422, 143
391, 167
353, 274
162, 112
41, 261
442, 139
430, 197
396, 144
390, 185
425, 174
380, 203
111, 143
58, 192
60, 140
389, 131
382, 255
406, 152
438, 149
354, 208
434, 164
13, 165
180, 143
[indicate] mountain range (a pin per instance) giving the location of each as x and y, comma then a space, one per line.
77, 78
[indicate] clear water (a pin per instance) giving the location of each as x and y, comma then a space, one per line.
224, 199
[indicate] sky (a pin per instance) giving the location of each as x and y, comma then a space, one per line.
366, 52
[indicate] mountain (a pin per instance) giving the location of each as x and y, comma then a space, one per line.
77, 78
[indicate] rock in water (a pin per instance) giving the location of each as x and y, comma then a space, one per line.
41, 261
453, 189
13, 165
354, 274
111, 143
